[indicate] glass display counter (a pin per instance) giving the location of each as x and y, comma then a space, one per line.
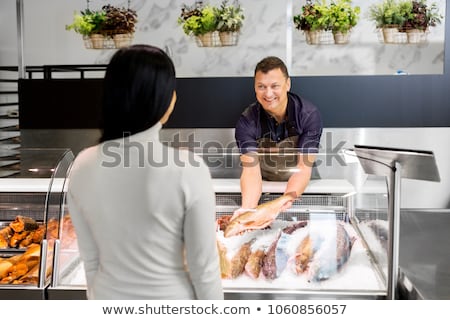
30, 209
330, 244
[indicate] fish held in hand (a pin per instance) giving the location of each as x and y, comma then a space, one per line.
261, 217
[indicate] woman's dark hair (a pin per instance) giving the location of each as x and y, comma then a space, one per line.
137, 91
270, 63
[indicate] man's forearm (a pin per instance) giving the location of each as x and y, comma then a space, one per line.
298, 182
251, 187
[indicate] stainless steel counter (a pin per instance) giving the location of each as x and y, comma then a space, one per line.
425, 254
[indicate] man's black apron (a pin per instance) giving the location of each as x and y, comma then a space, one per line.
278, 166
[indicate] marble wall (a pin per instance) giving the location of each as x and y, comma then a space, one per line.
268, 30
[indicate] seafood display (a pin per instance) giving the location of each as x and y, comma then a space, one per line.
322, 254
314, 251
25, 231
276, 257
21, 269
21, 233
23, 266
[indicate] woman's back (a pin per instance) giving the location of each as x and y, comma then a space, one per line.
137, 205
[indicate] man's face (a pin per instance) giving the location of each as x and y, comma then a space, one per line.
271, 90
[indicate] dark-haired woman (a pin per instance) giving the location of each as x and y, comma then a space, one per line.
143, 211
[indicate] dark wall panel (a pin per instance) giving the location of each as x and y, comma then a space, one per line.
382, 101
359, 101
59, 103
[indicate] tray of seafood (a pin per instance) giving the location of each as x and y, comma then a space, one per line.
17, 235
320, 251
21, 242
20, 250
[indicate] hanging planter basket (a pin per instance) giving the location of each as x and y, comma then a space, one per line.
341, 38
108, 28
217, 39
415, 36
122, 40
312, 37
229, 38
221, 24
319, 37
98, 41
391, 35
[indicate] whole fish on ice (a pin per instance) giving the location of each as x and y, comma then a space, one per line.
322, 254
232, 268
381, 231
276, 257
254, 263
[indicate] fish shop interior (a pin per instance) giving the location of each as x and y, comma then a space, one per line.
373, 220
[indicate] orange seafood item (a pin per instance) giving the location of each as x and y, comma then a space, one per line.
225, 265
254, 263
240, 259
23, 224
232, 268
303, 255
5, 234
222, 222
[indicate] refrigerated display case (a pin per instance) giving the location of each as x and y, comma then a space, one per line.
68, 278
326, 205
321, 247
30, 206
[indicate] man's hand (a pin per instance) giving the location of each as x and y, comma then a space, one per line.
292, 196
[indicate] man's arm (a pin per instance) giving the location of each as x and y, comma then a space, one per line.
298, 182
251, 181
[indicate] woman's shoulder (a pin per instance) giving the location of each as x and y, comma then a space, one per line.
186, 157
86, 154
84, 160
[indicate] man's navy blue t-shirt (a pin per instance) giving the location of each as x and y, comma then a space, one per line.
303, 119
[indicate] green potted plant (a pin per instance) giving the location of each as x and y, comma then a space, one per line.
313, 20
199, 21
100, 27
389, 16
419, 19
230, 18
89, 24
343, 17
120, 24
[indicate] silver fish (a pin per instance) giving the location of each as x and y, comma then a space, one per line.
276, 257
333, 252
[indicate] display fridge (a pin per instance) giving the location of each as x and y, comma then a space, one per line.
30, 204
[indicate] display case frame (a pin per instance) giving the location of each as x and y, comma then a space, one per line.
366, 207
36, 194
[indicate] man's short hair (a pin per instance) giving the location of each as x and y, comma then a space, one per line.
270, 63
